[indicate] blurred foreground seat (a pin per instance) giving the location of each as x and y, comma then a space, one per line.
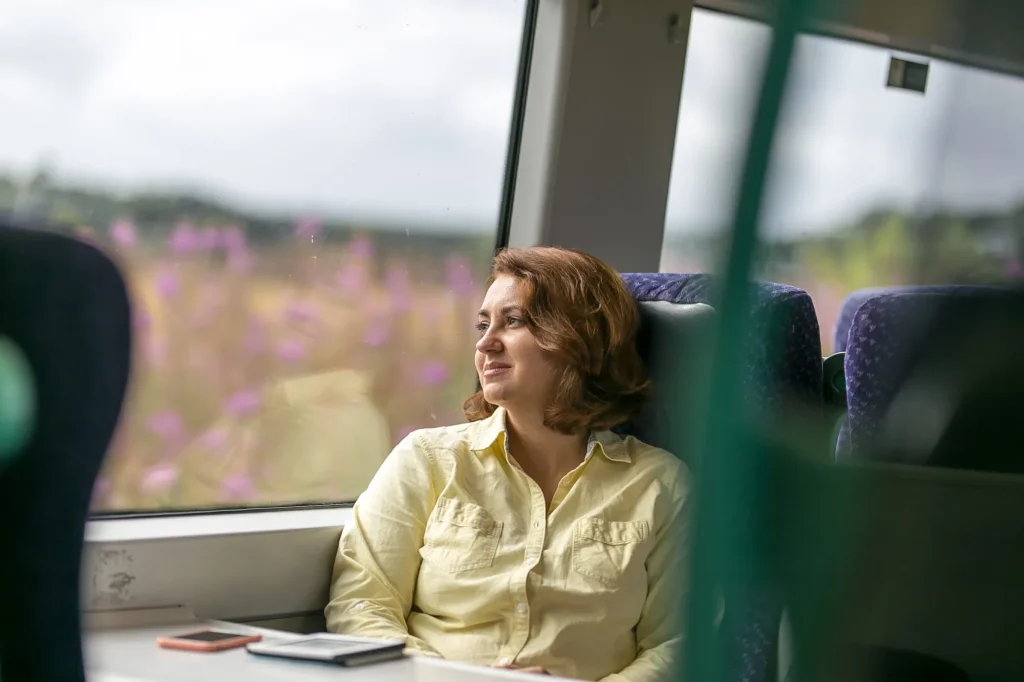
64, 304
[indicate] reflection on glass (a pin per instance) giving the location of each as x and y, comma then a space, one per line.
304, 210
869, 186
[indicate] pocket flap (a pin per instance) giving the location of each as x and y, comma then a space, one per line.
465, 514
612, 532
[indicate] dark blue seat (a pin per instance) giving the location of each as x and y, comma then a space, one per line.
784, 364
65, 306
853, 302
785, 342
885, 334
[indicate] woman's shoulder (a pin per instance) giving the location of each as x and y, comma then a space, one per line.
658, 463
454, 437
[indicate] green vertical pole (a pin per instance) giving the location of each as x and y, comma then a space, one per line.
721, 548
17, 401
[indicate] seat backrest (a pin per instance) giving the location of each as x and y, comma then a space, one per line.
927, 558
853, 302
672, 342
784, 348
784, 363
887, 333
64, 304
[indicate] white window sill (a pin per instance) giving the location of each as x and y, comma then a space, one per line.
257, 565
206, 525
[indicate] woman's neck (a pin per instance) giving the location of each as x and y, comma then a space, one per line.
541, 450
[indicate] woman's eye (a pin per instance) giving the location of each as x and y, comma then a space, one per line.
514, 321
481, 327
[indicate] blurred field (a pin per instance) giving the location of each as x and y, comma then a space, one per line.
283, 372
283, 369
278, 361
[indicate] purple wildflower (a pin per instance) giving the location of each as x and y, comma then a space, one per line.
291, 350
237, 488
361, 247
232, 238
243, 403
433, 373
141, 320
351, 280
208, 239
396, 280
100, 491
376, 336
166, 424
167, 284
214, 438
184, 239
160, 478
123, 233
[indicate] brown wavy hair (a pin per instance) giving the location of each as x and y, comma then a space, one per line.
583, 316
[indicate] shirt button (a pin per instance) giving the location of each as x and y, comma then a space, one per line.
360, 606
536, 524
531, 562
521, 608
504, 660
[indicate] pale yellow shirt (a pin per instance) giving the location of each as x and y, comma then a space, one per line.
451, 549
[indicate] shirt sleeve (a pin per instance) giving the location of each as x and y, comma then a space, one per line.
661, 630
378, 556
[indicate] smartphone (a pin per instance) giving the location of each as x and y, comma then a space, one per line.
207, 640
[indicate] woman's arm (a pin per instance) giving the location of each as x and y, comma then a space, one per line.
660, 631
378, 557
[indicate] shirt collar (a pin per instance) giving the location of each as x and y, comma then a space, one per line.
490, 430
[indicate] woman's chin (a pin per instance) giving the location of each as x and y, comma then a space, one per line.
494, 395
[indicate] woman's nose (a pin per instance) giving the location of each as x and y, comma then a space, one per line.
488, 343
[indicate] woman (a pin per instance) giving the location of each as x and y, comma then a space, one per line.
531, 537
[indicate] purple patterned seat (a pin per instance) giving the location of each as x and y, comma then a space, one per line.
885, 334
785, 342
855, 300
784, 364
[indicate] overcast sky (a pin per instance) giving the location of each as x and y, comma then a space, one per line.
400, 109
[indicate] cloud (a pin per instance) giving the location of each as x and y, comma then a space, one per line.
846, 143
401, 109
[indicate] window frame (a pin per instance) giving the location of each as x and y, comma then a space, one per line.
137, 561
501, 240
555, 93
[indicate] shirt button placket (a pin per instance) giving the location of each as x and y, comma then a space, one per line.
534, 548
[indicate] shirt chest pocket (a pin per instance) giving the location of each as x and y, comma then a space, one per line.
460, 536
606, 550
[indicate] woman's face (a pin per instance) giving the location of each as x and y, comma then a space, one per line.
514, 371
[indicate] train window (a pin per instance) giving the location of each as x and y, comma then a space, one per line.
304, 199
869, 186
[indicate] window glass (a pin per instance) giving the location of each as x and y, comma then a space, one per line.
869, 185
303, 197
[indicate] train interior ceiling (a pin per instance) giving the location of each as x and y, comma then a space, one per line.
284, 339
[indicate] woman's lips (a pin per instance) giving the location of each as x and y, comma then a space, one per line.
496, 370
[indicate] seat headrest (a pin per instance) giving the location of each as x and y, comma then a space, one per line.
672, 342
